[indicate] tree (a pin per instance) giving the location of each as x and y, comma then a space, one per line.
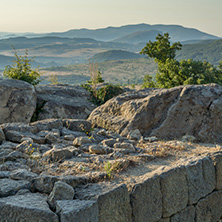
161, 49
171, 72
21, 69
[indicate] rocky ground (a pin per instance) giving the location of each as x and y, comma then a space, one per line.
54, 168
64, 154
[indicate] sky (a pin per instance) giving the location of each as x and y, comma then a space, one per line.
41, 16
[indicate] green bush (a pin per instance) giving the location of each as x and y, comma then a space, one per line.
171, 72
103, 94
21, 70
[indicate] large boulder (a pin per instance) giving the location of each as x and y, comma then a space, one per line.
166, 113
17, 101
63, 101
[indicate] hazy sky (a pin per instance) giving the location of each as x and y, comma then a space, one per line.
62, 15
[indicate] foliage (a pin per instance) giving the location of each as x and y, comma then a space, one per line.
100, 94
171, 72
103, 94
53, 79
21, 70
161, 49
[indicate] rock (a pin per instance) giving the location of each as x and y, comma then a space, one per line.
189, 138
201, 178
79, 141
44, 183
209, 208
10, 187
77, 210
4, 174
58, 154
61, 191
146, 200
165, 113
134, 135
51, 138
74, 180
2, 136
47, 124
187, 214
218, 168
174, 190
28, 207
113, 201
109, 142
23, 174
124, 145
19, 127
97, 149
63, 101
80, 125
151, 139
15, 155
17, 101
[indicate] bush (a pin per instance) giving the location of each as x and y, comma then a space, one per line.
21, 70
103, 94
171, 73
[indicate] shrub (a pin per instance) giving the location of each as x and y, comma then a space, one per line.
21, 70
103, 94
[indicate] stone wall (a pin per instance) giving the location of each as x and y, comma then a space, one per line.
187, 192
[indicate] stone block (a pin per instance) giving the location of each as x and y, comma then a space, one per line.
209, 209
185, 215
28, 207
201, 178
146, 200
218, 168
77, 210
113, 201
174, 190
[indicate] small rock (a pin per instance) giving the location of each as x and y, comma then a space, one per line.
189, 138
61, 191
124, 146
109, 142
134, 135
96, 149
23, 174
69, 137
81, 140
51, 138
10, 187
102, 132
151, 139
58, 154
44, 183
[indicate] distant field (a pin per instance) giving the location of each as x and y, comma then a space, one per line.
117, 72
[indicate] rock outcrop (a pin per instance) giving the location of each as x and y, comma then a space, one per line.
165, 113
63, 101
17, 101
21, 102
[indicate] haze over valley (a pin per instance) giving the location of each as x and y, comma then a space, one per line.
115, 49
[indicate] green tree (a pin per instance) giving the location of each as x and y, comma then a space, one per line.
21, 69
161, 49
171, 72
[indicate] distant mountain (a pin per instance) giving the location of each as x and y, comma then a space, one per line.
209, 50
138, 37
177, 32
114, 55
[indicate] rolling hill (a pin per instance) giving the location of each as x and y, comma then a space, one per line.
209, 50
138, 37
177, 32
115, 55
